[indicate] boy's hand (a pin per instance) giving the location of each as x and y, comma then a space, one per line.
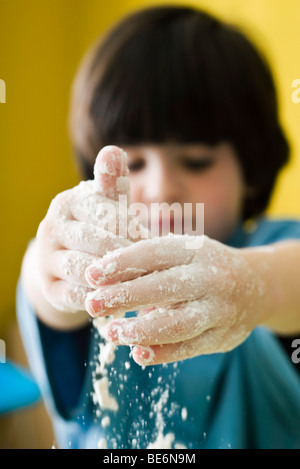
75, 231
209, 298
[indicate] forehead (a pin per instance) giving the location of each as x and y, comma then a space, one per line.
179, 149
168, 147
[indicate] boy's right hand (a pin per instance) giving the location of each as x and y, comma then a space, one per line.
74, 233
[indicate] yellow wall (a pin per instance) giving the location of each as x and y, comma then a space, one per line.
41, 43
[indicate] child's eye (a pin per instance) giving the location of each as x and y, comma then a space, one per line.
136, 165
197, 165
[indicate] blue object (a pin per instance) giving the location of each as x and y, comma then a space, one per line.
17, 387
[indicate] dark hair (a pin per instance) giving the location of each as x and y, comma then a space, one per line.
178, 74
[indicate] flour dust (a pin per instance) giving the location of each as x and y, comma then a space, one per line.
133, 401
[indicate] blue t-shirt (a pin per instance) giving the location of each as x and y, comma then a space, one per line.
246, 398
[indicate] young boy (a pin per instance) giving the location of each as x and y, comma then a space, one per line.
193, 105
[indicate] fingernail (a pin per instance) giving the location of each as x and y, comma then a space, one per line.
112, 334
92, 274
94, 307
143, 355
97, 274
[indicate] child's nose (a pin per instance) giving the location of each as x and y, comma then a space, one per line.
163, 184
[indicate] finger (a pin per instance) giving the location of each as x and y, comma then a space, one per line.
111, 173
175, 285
88, 238
83, 203
142, 257
161, 326
105, 213
87, 205
206, 343
70, 221
69, 265
144, 312
60, 205
66, 297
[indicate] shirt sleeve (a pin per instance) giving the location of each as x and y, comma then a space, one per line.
57, 358
268, 231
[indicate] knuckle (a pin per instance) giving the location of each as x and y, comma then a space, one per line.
60, 202
46, 235
74, 297
43, 228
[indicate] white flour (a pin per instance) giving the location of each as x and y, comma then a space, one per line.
162, 441
101, 385
104, 399
159, 408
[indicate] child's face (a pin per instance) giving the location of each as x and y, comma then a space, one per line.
189, 173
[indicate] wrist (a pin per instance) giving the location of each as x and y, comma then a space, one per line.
262, 294
276, 268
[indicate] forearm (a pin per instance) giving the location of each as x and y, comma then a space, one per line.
278, 265
43, 309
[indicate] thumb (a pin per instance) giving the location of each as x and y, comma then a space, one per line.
111, 173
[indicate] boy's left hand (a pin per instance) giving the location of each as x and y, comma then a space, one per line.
190, 301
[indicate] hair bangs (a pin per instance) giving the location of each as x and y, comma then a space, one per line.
166, 93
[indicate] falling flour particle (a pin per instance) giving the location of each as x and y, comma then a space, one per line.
184, 413
134, 442
99, 323
162, 441
106, 356
102, 443
179, 446
105, 422
105, 400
